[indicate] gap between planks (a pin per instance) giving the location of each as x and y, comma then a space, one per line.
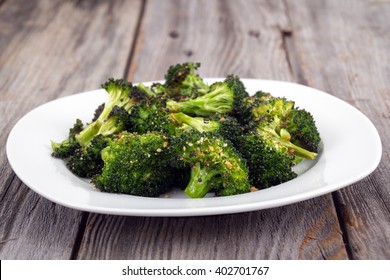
137, 33
85, 215
294, 63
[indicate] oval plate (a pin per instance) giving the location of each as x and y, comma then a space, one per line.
341, 160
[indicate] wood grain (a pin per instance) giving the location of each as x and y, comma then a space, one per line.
282, 233
50, 49
219, 34
241, 37
343, 48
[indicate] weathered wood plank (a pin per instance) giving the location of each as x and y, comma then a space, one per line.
225, 36
241, 37
343, 48
51, 49
282, 233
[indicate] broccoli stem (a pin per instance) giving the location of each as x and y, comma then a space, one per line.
88, 133
219, 100
198, 123
296, 150
199, 184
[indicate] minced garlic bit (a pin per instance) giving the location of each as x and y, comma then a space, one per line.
228, 164
165, 144
211, 148
158, 150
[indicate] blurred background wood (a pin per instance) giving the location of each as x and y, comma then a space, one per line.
52, 49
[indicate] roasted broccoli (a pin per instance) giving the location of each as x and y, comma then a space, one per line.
303, 130
118, 97
67, 147
152, 117
214, 162
182, 82
272, 117
136, 164
223, 97
268, 164
87, 162
185, 133
226, 126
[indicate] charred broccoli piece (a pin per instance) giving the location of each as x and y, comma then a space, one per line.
182, 82
67, 147
136, 164
272, 117
214, 162
223, 97
226, 126
87, 162
152, 117
303, 130
268, 164
118, 96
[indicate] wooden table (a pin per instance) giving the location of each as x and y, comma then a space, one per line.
50, 49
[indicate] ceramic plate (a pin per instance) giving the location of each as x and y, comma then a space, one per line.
343, 158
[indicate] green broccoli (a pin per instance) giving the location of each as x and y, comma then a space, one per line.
272, 117
268, 164
214, 162
182, 82
224, 125
136, 164
303, 130
67, 147
223, 97
109, 118
151, 117
87, 162
118, 96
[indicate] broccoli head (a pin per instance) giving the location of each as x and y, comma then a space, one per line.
136, 164
214, 162
225, 125
271, 117
223, 97
118, 96
87, 162
182, 82
67, 147
151, 117
268, 165
303, 130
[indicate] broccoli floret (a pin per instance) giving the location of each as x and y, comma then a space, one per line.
137, 165
268, 164
271, 118
303, 130
214, 162
226, 126
223, 97
182, 82
198, 123
118, 120
118, 96
152, 117
67, 147
87, 162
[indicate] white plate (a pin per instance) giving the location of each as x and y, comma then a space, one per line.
350, 150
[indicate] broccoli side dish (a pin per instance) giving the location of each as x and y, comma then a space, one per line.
187, 134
